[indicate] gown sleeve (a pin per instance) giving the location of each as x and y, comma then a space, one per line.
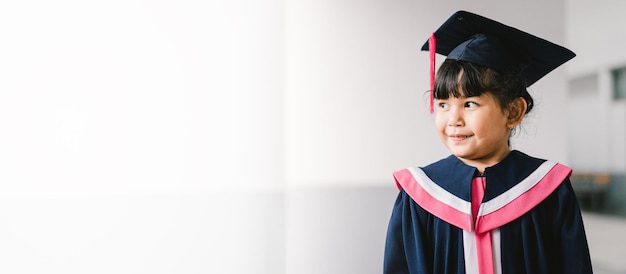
395, 258
405, 239
569, 225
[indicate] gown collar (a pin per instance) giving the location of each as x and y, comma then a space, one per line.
456, 177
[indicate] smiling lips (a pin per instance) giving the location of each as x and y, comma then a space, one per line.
458, 137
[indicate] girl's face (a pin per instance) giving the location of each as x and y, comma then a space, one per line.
475, 129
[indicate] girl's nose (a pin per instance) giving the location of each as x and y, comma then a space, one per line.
455, 119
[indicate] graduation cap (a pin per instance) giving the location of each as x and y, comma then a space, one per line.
466, 36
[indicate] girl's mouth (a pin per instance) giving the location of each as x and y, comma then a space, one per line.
458, 137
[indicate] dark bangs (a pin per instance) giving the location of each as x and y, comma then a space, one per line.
465, 79
460, 79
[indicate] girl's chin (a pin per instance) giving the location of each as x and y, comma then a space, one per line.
468, 154
460, 152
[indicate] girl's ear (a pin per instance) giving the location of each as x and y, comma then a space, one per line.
517, 110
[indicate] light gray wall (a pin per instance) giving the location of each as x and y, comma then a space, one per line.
596, 124
141, 137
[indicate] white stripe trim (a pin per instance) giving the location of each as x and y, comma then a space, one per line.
439, 193
470, 253
497, 251
519, 189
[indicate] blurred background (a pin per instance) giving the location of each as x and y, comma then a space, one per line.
260, 136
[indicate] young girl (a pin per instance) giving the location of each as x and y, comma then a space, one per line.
486, 209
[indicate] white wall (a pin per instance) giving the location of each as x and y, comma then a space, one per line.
141, 137
597, 123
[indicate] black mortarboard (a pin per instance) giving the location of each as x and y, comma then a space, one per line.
470, 37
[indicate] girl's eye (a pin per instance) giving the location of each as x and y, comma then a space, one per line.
443, 105
470, 104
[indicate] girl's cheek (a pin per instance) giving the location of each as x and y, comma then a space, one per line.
440, 120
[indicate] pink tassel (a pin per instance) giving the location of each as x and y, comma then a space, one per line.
432, 48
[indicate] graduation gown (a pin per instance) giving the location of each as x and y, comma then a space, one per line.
528, 221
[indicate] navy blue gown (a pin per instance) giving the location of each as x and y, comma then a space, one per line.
529, 220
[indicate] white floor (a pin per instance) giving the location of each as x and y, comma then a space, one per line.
607, 242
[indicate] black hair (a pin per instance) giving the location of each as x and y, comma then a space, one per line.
462, 78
